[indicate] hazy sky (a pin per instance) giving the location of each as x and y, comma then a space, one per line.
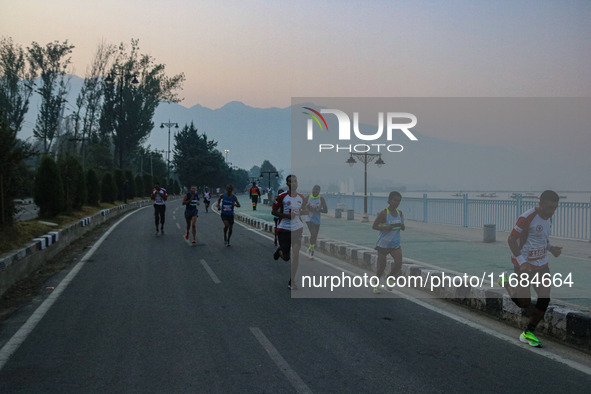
265, 52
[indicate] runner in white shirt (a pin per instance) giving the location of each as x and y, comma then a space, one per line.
529, 242
288, 208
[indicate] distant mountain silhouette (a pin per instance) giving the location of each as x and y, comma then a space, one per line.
253, 135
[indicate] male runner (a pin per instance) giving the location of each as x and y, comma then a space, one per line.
389, 223
159, 195
288, 208
190, 201
206, 199
315, 205
255, 192
529, 242
226, 204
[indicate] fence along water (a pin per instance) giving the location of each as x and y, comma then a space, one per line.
572, 220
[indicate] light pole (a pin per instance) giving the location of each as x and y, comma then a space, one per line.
365, 158
169, 125
226, 151
269, 173
125, 75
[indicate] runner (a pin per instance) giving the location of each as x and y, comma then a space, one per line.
159, 195
288, 208
315, 205
206, 199
276, 218
191, 200
529, 242
226, 204
254, 193
389, 223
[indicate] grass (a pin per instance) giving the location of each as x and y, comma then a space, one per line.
22, 232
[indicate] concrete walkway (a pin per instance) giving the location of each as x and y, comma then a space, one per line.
460, 250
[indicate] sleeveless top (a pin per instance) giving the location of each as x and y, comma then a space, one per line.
316, 202
193, 199
227, 205
391, 239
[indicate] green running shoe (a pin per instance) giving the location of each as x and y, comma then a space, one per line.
504, 280
529, 337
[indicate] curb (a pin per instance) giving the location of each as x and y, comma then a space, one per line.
563, 322
18, 264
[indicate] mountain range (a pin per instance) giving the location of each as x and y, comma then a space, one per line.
252, 135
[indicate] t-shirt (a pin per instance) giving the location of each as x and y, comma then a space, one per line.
391, 239
159, 196
532, 232
288, 204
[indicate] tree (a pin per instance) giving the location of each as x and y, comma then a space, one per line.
93, 188
139, 186
12, 156
135, 87
16, 83
89, 101
108, 188
49, 190
148, 184
74, 183
130, 184
195, 158
52, 61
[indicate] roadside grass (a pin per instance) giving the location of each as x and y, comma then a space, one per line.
22, 232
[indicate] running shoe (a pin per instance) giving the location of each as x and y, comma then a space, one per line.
376, 290
529, 337
276, 255
291, 286
194, 241
504, 280
310, 251
157, 232
187, 236
162, 231
228, 243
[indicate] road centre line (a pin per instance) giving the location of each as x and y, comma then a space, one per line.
23, 332
291, 375
212, 274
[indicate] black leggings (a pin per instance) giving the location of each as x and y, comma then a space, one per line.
159, 211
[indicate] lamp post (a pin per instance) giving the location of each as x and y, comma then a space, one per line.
226, 151
169, 125
125, 75
269, 173
365, 158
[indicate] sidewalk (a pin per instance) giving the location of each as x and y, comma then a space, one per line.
431, 249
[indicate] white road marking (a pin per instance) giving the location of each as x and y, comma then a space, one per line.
291, 375
545, 353
19, 337
212, 274
178, 226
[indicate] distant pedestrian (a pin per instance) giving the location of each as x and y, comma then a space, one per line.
159, 196
315, 205
226, 204
389, 223
191, 201
288, 208
254, 194
529, 242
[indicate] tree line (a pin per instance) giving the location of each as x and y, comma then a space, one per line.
95, 152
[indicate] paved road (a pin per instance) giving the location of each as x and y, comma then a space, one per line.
153, 314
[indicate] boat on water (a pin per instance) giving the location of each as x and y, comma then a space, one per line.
488, 195
532, 196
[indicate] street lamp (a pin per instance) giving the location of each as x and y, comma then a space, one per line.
269, 176
365, 158
226, 151
169, 125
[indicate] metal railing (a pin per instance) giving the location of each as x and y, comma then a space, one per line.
572, 219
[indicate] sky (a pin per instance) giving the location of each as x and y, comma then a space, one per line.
264, 53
